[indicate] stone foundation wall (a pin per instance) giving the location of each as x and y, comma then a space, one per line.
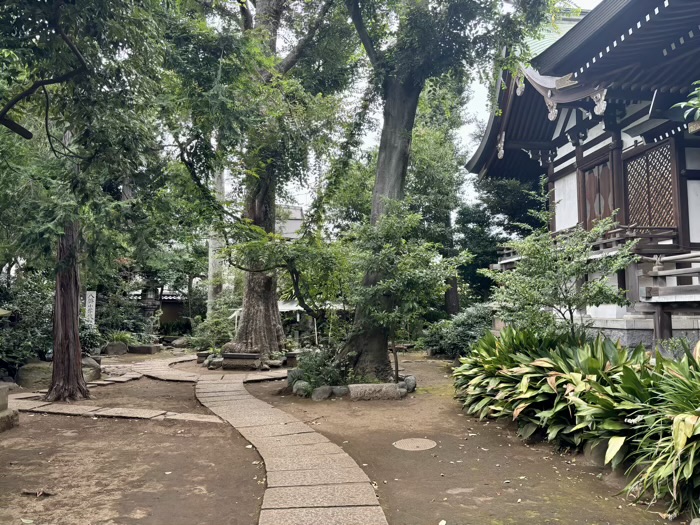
632, 331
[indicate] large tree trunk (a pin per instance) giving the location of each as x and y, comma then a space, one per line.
452, 297
368, 343
67, 382
215, 276
260, 329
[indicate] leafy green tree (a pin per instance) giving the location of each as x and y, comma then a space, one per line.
557, 277
476, 233
408, 43
95, 68
297, 115
410, 277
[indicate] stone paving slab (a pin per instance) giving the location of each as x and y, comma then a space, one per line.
99, 382
24, 404
286, 429
330, 516
309, 438
119, 379
213, 392
201, 418
244, 418
132, 413
344, 495
225, 394
24, 395
267, 376
324, 476
317, 449
220, 384
329, 461
66, 409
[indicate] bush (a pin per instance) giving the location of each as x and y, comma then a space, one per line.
122, 337
120, 313
27, 333
645, 415
90, 338
325, 367
454, 337
218, 329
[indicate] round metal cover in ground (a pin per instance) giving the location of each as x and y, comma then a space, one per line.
415, 444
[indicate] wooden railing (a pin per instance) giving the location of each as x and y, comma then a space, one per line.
650, 241
660, 291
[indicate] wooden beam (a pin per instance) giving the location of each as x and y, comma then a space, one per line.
663, 323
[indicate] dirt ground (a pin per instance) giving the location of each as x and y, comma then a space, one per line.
479, 474
127, 472
147, 393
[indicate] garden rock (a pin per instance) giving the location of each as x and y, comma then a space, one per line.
411, 383
274, 363
322, 393
301, 388
180, 342
376, 391
402, 384
91, 369
696, 521
216, 363
341, 391
293, 375
145, 349
35, 375
114, 348
208, 360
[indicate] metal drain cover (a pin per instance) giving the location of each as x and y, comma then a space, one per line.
415, 444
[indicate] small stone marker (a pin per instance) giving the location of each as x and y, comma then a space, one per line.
90, 302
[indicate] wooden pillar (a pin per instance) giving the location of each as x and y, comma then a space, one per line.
618, 174
663, 323
581, 185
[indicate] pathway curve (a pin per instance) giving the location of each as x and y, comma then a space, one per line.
310, 481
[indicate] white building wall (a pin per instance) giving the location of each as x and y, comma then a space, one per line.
566, 198
694, 209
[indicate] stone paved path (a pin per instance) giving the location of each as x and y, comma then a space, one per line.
310, 481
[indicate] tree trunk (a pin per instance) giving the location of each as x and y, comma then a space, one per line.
452, 297
260, 329
368, 343
215, 276
67, 382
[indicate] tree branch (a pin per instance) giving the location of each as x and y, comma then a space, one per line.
19, 97
356, 16
296, 277
295, 54
246, 15
204, 189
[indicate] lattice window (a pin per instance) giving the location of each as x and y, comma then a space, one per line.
649, 179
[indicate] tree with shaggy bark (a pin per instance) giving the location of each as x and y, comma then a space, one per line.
409, 42
87, 74
276, 150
